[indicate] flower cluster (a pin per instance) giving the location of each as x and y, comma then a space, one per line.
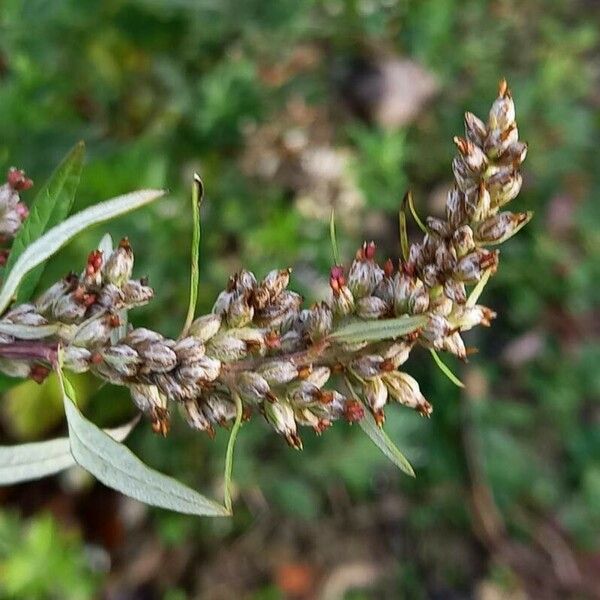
12, 211
260, 346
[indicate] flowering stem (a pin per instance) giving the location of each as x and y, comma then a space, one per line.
230, 446
34, 351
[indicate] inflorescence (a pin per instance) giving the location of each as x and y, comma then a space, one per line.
259, 344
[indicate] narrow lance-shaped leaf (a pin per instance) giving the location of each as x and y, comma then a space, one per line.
117, 467
372, 331
51, 206
25, 462
44, 247
445, 369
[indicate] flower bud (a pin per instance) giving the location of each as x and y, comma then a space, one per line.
222, 303
219, 408
470, 317
189, 349
68, 309
175, 389
437, 328
375, 393
386, 289
123, 359
475, 129
110, 297
76, 360
499, 141
367, 366
205, 369
254, 388
456, 213
279, 372
502, 113
136, 293
363, 277
147, 397
405, 389
482, 204
455, 291
455, 345
242, 282
319, 322
195, 417
431, 275
10, 223
47, 299
463, 240
25, 314
205, 327
470, 268
17, 179
472, 155
276, 313
276, 281
157, 357
371, 307
304, 394
319, 376
291, 342
465, 179
239, 312
418, 301
504, 187
342, 303
500, 227
141, 335
281, 416
119, 266
94, 332
227, 348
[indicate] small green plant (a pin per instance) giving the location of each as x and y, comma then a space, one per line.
259, 351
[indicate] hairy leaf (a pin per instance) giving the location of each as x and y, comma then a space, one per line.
372, 331
25, 462
117, 467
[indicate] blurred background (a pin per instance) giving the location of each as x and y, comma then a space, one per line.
289, 109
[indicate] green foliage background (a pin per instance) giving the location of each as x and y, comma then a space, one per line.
159, 89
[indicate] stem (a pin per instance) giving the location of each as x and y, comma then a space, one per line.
30, 351
229, 454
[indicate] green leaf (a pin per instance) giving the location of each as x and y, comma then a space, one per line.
28, 332
332, 235
117, 467
403, 234
478, 289
197, 195
229, 454
50, 207
445, 369
25, 462
54, 239
408, 199
384, 443
372, 331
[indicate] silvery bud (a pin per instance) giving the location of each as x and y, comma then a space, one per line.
438, 226
430, 275
157, 358
276, 281
291, 342
455, 345
10, 223
68, 309
94, 332
141, 335
320, 322
254, 388
375, 393
119, 266
319, 376
25, 314
175, 389
205, 327
405, 389
189, 349
239, 312
279, 372
463, 240
305, 393
456, 212
147, 397
502, 113
472, 316
465, 179
441, 305
241, 282
500, 227
386, 290
475, 129
110, 297
342, 303
205, 369
123, 359
227, 348
371, 307
278, 311
363, 277
76, 360
397, 353
195, 417
499, 141
418, 301
470, 268
367, 366
403, 286
482, 204
136, 293
219, 408
222, 302
455, 291
47, 299
504, 187
281, 416
474, 158
437, 328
